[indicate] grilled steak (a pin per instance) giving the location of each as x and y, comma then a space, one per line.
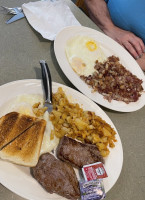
78, 154
56, 176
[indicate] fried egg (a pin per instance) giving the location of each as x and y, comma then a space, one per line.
23, 104
82, 53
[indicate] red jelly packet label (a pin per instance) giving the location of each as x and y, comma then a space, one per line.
94, 171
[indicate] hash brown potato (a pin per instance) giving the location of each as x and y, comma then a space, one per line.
71, 120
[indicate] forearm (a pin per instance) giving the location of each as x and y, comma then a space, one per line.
99, 14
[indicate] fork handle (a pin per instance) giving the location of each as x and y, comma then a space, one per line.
47, 83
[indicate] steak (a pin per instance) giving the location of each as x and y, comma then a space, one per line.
56, 176
77, 153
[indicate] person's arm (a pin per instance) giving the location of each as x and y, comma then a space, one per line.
99, 13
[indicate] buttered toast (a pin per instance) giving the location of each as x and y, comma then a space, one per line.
21, 144
12, 125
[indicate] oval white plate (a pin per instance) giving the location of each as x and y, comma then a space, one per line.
110, 47
18, 178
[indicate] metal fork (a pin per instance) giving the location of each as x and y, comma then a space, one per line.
47, 85
13, 11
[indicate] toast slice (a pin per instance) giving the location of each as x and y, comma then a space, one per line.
12, 125
25, 149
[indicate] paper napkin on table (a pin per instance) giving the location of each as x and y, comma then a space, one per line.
49, 17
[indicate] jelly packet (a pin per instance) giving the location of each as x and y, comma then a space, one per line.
94, 171
92, 190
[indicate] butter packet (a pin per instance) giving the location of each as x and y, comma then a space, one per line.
92, 190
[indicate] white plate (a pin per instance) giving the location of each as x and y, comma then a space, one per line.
18, 178
110, 47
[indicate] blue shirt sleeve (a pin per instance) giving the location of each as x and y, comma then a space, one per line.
129, 15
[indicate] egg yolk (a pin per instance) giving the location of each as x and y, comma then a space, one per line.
91, 45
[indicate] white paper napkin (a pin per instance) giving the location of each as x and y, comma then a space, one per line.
49, 17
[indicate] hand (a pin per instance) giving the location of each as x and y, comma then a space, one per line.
141, 62
131, 42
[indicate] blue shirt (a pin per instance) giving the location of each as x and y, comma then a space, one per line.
128, 15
